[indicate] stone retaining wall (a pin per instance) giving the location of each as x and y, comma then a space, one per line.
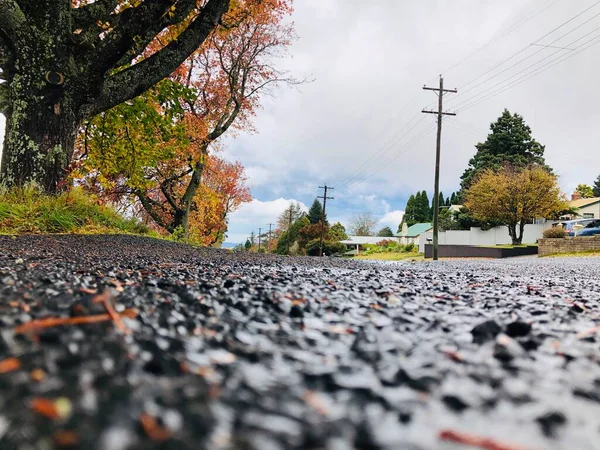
569, 245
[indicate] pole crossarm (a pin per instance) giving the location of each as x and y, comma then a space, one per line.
437, 112
437, 90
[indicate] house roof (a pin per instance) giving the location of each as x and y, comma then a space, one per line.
361, 240
580, 203
417, 229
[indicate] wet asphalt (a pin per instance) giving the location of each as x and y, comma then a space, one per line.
122, 342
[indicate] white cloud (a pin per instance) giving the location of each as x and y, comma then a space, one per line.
391, 219
254, 215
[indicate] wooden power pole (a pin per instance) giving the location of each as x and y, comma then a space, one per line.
436, 200
269, 242
259, 232
325, 198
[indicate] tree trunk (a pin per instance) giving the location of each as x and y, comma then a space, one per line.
521, 230
181, 218
41, 128
512, 232
42, 118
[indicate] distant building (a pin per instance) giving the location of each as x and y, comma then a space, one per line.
587, 208
356, 244
410, 235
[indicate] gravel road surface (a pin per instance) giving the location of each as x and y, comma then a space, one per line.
121, 342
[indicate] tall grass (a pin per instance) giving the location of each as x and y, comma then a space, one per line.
28, 210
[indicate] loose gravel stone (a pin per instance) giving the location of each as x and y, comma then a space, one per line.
150, 344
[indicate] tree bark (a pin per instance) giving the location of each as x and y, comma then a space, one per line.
41, 128
61, 64
181, 217
516, 237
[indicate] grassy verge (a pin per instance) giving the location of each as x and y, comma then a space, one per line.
27, 210
387, 256
573, 254
508, 246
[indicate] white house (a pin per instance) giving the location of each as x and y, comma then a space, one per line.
410, 235
587, 208
357, 243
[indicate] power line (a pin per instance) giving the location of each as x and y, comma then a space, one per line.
391, 159
533, 66
534, 73
529, 46
386, 147
464, 130
548, 3
525, 59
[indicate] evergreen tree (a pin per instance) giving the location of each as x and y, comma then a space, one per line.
337, 232
315, 213
289, 238
291, 214
248, 245
585, 191
442, 201
409, 212
385, 232
454, 200
596, 187
509, 143
424, 210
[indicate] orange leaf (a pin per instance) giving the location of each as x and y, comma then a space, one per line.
9, 365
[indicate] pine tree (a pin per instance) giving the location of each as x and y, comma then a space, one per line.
596, 187
315, 213
409, 213
385, 232
424, 214
510, 142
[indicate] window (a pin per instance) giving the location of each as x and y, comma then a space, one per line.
588, 215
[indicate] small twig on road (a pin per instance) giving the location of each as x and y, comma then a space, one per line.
58, 321
9, 365
477, 441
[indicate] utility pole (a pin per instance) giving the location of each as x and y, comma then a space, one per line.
436, 201
269, 241
325, 198
259, 231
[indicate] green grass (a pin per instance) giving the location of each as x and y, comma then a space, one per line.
27, 210
385, 256
508, 246
573, 254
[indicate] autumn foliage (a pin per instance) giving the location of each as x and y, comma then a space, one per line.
159, 148
515, 196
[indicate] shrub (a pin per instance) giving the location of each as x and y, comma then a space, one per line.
410, 248
555, 233
329, 248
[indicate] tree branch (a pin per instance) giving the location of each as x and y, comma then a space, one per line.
136, 79
87, 16
129, 25
14, 24
149, 206
6, 58
149, 33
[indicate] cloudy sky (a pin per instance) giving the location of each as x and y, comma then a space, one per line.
359, 128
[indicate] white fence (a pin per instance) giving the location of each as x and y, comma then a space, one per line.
476, 236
